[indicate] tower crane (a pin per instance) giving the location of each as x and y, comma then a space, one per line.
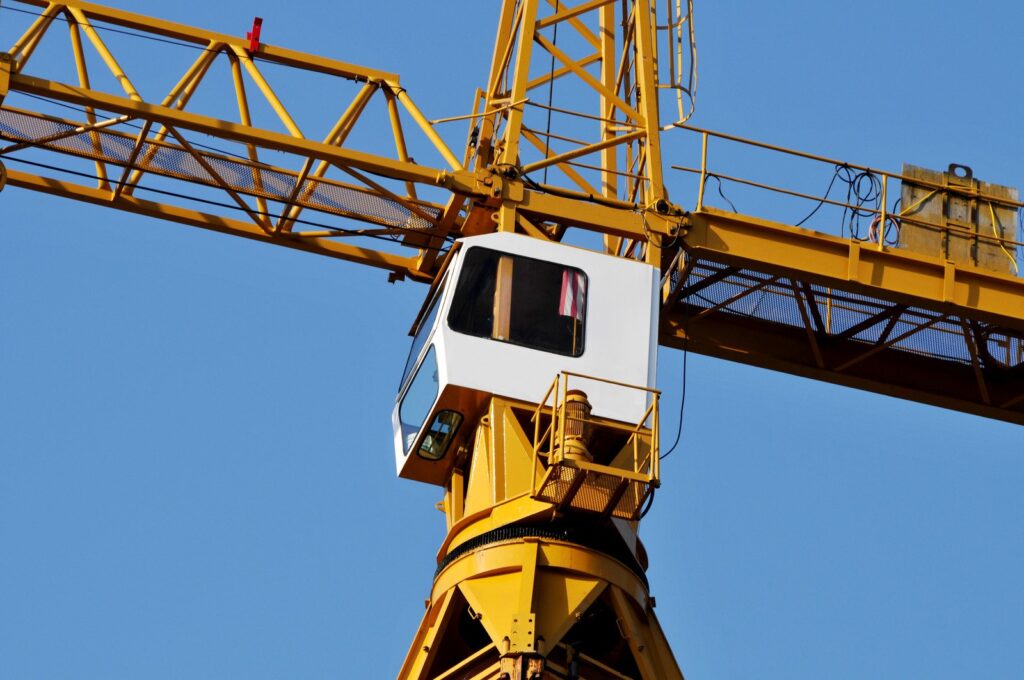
555, 261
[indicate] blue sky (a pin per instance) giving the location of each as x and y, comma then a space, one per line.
196, 477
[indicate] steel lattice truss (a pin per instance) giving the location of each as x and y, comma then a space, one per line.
269, 185
873, 316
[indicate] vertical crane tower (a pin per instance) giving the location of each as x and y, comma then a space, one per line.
542, 571
528, 394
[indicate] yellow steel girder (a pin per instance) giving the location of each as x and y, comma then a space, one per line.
890, 273
876, 318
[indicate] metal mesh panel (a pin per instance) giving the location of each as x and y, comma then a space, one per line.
596, 492
843, 314
632, 500
171, 160
1002, 347
593, 491
558, 483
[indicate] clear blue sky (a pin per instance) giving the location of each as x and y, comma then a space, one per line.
196, 477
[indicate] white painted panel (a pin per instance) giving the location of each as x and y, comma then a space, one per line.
620, 342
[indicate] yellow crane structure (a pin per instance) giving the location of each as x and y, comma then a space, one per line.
541, 573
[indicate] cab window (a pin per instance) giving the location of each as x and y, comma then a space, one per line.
439, 435
422, 332
418, 399
521, 300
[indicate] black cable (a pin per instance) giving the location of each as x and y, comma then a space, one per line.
111, 29
146, 36
894, 218
136, 126
835, 176
720, 193
682, 398
207, 147
232, 206
863, 200
863, 197
555, 191
648, 506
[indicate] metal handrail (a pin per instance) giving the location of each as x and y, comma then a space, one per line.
553, 435
832, 161
904, 215
885, 215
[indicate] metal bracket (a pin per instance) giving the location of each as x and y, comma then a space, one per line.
666, 223
962, 173
522, 639
499, 187
253, 36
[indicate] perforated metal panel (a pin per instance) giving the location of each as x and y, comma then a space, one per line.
783, 322
569, 486
172, 160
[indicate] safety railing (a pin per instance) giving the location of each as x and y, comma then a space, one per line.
615, 482
869, 199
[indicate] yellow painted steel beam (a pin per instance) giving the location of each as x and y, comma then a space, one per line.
108, 58
950, 300
569, 171
83, 80
520, 72
572, 11
579, 212
199, 36
227, 130
169, 119
336, 137
587, 78
253, 169
319, 246
583, 151
886, 273
561, 71
503, 558
5, 75
891, 372
25, 46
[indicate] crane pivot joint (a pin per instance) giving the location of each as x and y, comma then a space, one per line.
496, 185
666, 219
667, 225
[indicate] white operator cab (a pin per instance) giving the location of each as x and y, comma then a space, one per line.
512, 313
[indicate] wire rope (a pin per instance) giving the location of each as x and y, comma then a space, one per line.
232, 206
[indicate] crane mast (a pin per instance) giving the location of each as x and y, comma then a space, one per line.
557, 262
